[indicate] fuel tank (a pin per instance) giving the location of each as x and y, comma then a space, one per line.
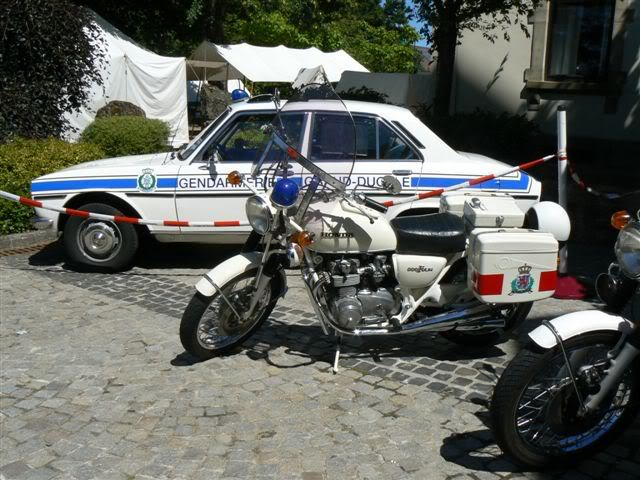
340, 228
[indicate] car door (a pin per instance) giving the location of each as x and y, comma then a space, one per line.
380, 149
203, 193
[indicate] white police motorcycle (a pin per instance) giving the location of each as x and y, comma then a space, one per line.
366, 275
576, 386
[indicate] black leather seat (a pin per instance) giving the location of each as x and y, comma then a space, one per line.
437, 233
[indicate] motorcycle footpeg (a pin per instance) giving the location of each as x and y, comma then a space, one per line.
395, 324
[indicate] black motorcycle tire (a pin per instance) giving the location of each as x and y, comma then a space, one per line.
491, 337
197, 308
512, 384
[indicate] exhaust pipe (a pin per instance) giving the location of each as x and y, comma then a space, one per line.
478, 317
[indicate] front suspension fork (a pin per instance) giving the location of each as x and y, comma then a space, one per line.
620, 359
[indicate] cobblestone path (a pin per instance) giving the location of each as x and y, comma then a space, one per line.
95, 384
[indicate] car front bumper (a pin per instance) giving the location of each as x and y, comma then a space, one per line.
41, 223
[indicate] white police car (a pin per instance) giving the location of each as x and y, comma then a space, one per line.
191, 185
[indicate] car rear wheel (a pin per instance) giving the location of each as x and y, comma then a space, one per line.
99, 244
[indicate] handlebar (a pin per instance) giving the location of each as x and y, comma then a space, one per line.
367, 202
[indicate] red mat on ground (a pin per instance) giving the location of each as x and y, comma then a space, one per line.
570, 288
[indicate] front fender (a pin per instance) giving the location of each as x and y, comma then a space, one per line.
231, 268
573, 324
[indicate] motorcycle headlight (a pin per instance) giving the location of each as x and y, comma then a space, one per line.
259, 214
628, 250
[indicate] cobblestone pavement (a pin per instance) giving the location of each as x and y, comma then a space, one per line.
95, 384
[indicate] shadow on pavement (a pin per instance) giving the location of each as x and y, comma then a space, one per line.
152, 255
310, 343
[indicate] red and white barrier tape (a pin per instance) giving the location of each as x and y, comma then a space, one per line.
119, 219
583, 185
468, 183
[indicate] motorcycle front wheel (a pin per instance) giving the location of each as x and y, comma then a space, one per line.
535, 408
213, 326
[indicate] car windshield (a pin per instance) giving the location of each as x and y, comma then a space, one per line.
283, 151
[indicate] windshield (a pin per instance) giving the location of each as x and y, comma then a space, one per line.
286, 156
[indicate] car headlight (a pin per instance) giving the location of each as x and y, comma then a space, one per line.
259, 214
628, 250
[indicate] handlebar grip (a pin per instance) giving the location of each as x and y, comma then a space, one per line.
374, 205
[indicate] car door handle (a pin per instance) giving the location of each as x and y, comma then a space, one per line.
402, 172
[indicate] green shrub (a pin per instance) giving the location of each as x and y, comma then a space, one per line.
501, 136
127, 135
23, 160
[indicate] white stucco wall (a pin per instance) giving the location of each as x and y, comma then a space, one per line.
491, 76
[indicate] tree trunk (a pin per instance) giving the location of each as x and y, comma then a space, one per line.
446, 39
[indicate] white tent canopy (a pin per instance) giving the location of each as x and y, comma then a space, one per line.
264, 64
133, 74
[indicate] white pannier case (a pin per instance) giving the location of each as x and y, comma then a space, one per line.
453, 202
511, 265
491, 212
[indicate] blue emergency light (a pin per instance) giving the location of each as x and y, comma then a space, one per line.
285, 193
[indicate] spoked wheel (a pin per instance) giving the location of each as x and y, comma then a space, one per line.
514, 314
212, 325
535, 406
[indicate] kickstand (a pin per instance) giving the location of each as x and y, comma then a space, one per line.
337, 357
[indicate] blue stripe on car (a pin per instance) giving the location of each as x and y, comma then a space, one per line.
97, 183
521, 183
131, 183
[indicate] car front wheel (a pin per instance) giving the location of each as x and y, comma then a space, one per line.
99, 244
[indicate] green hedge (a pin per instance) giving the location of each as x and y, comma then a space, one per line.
511, 138
23, 160
127, 135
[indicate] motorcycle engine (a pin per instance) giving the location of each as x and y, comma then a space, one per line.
362, 292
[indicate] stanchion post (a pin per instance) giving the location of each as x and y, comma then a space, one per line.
568, 287
562, 177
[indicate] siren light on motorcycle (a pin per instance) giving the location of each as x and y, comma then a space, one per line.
285, 193
620, 219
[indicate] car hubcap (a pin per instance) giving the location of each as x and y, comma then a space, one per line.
99, 240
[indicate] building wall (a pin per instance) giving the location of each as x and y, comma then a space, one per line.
509, 77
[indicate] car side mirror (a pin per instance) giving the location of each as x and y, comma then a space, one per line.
391, 184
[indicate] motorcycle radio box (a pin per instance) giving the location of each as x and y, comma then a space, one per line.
511, 265
491, 212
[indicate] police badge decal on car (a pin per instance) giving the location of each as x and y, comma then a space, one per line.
147, 180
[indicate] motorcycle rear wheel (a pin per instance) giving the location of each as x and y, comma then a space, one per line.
209, 327
562, 436
481, 338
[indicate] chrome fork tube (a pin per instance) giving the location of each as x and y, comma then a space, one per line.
260, 282
619, 364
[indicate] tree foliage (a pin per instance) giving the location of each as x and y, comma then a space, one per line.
167, 27
447, 20
47, 63
377, 35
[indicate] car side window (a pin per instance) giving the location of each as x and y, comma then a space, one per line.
392, 146
245, 138
332, 138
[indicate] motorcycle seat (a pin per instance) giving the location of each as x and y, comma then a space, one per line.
436, 233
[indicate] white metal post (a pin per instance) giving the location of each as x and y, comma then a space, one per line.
562, 177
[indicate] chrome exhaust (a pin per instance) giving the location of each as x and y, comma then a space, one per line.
477, 317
